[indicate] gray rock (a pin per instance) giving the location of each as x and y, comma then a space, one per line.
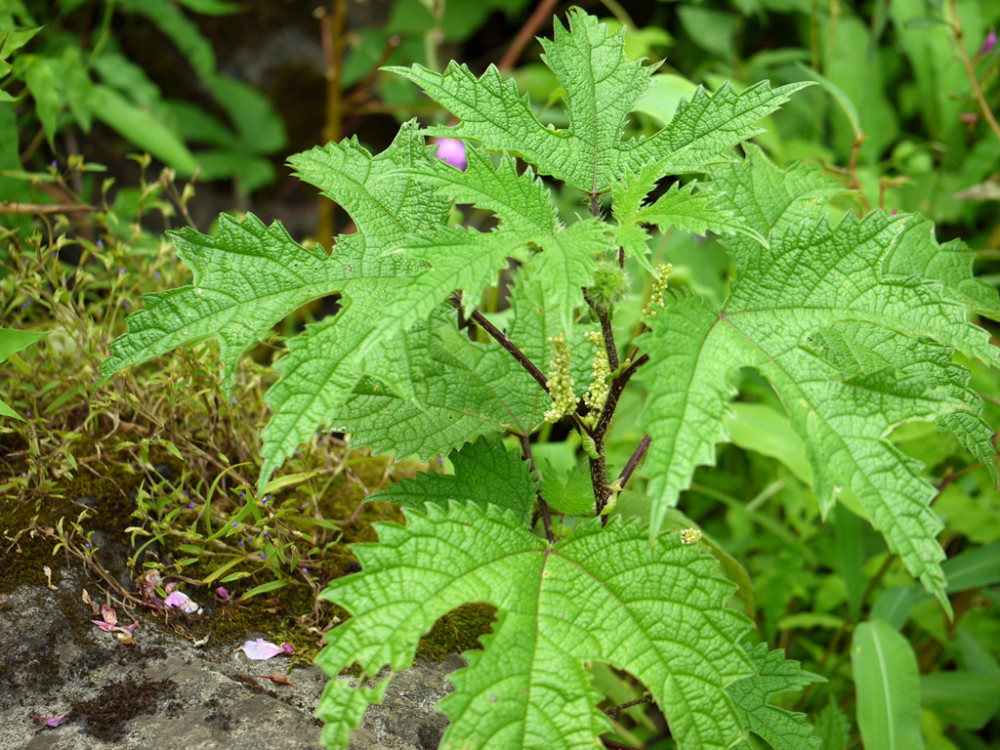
167, 694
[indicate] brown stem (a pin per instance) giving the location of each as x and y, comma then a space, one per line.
524, 37
633, 461
615, 392
599, 481
332, 30
614, 710
612, 745
970, 72
609, 338
543, 507
14, 207
506, 343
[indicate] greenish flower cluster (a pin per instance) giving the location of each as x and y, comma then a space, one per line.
560, 382
656, 293
597, 394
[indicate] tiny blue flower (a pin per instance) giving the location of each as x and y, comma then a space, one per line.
100, 244
265, 532
235, 523
241, 542
298, 453
263, 555
157, 275
266, 500
88, 545
190, 505
121, 271
126, 304
156, 436
234, 401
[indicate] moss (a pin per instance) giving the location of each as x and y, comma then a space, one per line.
119, 703
457, 631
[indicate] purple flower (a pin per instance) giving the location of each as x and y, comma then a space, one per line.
298, 454
989, 42
263, 555
121, 271
54, 164
157, 275
100, 244
234, 401
52, 721
222, 593
452, 151
190, 505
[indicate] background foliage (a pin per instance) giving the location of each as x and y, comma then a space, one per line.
899, 115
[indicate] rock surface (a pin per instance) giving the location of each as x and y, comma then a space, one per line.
165, 693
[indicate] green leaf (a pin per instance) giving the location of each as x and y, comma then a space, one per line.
602, 594
602, 85
974, 568
142, 129
832, 727
12, 341
247, 277
41, 82
837, 336
966, 699
888, 687
782, 729
485, 472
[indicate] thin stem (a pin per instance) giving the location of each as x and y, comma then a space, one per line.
970, 72
609, 338
617, 386
525, 36
634, 460
502, 339
599, 481
614, 710
543, 506
612, 745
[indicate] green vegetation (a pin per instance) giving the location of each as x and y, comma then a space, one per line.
783, 531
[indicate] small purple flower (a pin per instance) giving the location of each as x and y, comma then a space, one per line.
222, 592
87, 545
156, 436
126, 304
263, 555
235, 523
235, 401
298, 454
54, 164
190, 505
452, 151
157, 275
121, 271
100, 244
265, 532
266, 500
989, 43
25, 305
241, 542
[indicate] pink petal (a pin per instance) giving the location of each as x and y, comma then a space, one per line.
129, 628
181, 601
52, 721
109, 615
106, 627
221, 591
261, 649
287, 648
990, 42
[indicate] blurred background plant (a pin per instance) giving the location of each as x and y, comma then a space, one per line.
112, 116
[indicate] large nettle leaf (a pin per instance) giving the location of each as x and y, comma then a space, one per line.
855, 337
658, 612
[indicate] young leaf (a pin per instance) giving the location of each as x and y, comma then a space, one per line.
782, 729
657, 612
485, 472
832, 727
837, 337
601, 86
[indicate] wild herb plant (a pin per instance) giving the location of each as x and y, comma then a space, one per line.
853, 322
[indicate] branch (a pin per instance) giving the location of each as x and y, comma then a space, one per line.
543, 506
977, 90
617, 386
15, 207
506, 343
634, 460
542, 13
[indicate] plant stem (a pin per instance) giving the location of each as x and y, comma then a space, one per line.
525, 36
609, 338
634, 460
617, 386
543, 506
502, 339
977, 90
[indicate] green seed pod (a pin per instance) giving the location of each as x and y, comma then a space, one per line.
611, 283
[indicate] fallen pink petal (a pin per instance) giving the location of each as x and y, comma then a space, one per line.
109, 615
181, 601
105, 626
260, 649
452, 151
222, 593
52, 721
